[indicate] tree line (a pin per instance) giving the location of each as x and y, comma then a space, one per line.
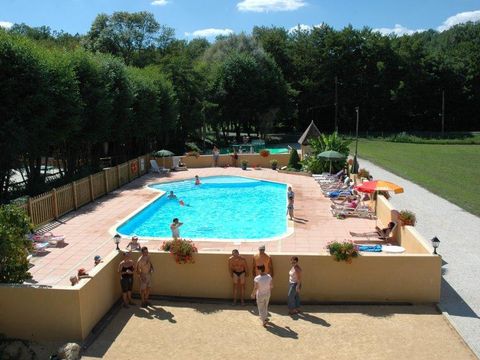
129, 86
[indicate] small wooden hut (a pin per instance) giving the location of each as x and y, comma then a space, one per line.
311, 132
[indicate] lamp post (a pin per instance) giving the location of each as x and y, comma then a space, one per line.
435, 244
355, 161
116, 240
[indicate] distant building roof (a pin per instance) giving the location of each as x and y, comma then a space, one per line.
311, 132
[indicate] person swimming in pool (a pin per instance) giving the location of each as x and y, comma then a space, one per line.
197, 180
172, 195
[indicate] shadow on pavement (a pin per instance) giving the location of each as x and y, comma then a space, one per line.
453, 304
284, 332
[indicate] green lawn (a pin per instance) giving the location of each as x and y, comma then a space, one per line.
450, 171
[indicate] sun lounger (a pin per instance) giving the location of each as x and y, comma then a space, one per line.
54, 240
158, 169
361, 210
40, 248
175, 164
379, 234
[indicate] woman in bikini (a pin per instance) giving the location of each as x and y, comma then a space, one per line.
126, 269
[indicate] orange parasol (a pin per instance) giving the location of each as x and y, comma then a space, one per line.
379, 185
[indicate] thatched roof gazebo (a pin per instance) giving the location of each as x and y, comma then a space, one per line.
311, 132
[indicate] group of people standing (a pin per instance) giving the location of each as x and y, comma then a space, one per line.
237, 266
262, 271
143, 269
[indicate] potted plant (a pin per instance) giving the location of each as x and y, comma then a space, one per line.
342, 251
363, 173
193, 153
244, 164
181, 249
274, 164
264, 153
407, 217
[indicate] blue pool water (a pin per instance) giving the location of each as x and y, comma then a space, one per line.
222, 207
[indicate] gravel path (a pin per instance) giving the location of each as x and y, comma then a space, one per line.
459, 233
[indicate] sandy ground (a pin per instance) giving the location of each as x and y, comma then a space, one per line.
217, 331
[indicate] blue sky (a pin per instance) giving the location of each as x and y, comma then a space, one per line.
212, 17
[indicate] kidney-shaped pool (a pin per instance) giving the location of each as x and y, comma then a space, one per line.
220, 208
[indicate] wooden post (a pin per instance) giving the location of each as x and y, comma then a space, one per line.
30, 208
118, 176
139, 159
74, 192
105, 177
90, 182
54, 203
129, 170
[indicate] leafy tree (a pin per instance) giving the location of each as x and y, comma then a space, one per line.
294, 160
14, 246
131, 36
323, 143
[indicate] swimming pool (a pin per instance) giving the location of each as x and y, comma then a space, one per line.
221, 208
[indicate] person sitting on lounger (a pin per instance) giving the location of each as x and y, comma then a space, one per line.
381, 233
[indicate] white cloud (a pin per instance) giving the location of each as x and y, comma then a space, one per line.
6, 24
303, 27
460, 18
209, 32
159, 2
398, 30
270, 5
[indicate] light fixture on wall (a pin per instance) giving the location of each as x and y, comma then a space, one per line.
116, 240
435, 244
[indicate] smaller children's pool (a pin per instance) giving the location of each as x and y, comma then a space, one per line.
221, 208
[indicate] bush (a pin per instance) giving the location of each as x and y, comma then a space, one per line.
14, 246
364, 173
294, 161
182, 250
342, 251
407, 217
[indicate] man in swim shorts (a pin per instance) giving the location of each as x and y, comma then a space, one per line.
262, 259
144, 271
237, 266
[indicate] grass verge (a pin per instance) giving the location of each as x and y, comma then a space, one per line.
450, 171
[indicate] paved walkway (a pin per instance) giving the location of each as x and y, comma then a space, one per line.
218, 331
88, 230
459, 233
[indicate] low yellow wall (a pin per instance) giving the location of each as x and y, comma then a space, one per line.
69, 314
97, 295
60, 313
406, 236
40, 313
370, 278
227, 160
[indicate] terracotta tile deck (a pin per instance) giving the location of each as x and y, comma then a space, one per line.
87, 230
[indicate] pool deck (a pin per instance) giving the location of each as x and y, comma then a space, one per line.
87, 230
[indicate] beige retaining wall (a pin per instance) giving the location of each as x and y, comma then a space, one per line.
406, 236
69, 314
60, 313
227, 160
370, 277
